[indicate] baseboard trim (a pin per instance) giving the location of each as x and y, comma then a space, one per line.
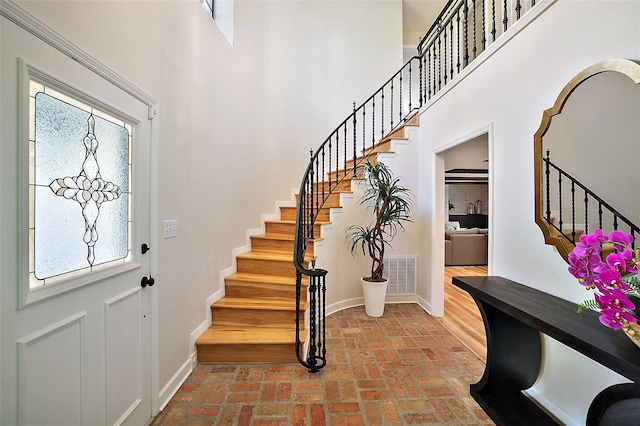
172, 386
391, 300
424, 304
345, 304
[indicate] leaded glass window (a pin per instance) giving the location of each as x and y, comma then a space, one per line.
79, 187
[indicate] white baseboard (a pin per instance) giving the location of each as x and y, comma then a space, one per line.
345, 304
424, 304
172, 386
359, 301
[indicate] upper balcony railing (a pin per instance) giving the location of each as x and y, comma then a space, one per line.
463, 30
572, 209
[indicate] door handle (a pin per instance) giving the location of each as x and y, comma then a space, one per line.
147, 281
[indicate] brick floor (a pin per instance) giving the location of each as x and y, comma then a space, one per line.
403, 368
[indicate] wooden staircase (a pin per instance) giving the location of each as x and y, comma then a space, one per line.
255, 321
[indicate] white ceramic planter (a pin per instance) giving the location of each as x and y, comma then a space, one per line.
375, 294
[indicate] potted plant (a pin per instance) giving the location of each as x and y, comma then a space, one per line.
391, 204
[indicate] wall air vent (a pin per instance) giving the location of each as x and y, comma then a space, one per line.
402, 274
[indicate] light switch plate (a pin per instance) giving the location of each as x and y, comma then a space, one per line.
170, 229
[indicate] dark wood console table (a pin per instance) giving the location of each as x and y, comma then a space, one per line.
514, 316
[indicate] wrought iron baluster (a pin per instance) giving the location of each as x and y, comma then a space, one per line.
364, 124
547, 174
400, 97
304, 200
429, 72
391, 106
560, 201
444, 36
321, 181
337, 156
493, 20
458, 43
439, 62
505, 20
466, 33
421, 93
410, 81
330, 165
451, 48
345, 150
475, 47
600, 214
484, 26
312, 322
355, 157
324, 316
573, 212
373, 120
518, 9
586, 212
316, 201
382, 114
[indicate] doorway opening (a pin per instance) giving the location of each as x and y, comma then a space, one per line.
466, 212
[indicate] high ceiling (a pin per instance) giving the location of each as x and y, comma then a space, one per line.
417, 17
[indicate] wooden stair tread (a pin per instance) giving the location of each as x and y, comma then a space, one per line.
258, 304
225, 335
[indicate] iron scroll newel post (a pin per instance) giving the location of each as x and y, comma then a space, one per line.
359, 136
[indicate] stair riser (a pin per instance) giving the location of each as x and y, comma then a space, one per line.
344, 186
384, 147
253, 318
240, 353
332, 202
276, 246
285, 228
289, 213
340, 174
266, 267
263, 291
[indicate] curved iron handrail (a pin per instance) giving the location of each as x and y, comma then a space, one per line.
442, 54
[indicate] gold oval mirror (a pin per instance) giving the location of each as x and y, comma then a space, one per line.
587, 156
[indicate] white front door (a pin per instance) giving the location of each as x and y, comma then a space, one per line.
76, 283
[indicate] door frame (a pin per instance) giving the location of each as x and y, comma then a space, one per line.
14, 13
439, 202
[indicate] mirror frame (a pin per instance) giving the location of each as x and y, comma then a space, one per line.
627, 67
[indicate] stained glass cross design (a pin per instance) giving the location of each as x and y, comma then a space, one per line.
88, 189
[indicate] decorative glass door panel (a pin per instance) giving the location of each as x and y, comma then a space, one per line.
80, 196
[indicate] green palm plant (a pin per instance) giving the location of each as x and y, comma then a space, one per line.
391, 204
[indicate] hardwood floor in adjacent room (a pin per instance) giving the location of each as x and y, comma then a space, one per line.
461, 315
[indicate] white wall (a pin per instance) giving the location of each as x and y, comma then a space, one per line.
507, 95
237, 122
344, 288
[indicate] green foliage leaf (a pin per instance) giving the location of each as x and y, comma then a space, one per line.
391, 204
588, 304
